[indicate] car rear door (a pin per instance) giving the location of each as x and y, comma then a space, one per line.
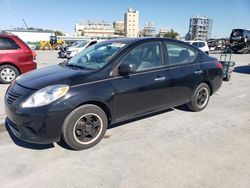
185, 70
145, 90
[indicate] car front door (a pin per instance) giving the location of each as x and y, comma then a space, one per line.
146, 89
184, 69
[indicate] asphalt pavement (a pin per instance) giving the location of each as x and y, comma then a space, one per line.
174, 148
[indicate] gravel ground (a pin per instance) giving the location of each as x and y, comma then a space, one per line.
174, 148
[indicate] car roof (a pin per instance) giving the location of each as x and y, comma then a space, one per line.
195, 41
133, 40
8, 35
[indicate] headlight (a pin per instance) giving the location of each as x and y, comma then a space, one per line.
45, 96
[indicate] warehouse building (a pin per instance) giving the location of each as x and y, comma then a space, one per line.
94, 29
31, 35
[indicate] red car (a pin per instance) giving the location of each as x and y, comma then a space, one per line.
15, 58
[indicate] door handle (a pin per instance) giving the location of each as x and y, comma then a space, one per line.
198, 72
160, 78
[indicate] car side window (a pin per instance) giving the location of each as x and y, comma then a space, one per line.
8, 44
180, 53
145, 56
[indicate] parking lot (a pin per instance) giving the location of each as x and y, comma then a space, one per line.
174, 148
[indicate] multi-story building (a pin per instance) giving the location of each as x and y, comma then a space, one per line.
200, 28
131, 23
148, 30
94, 29
119, 27
163, 31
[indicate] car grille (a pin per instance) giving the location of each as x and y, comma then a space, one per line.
12, 96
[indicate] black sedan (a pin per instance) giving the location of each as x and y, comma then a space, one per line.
107, 83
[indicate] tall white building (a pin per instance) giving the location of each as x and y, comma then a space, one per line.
131, 23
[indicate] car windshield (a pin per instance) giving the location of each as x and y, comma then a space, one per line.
96, 56
81, 44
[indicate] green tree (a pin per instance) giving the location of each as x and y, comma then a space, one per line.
171, 34
59, 33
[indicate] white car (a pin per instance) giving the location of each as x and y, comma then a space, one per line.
202, 45
73, 50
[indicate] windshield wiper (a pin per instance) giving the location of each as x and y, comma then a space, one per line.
79, 67
73, 66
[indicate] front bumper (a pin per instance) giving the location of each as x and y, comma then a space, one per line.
41, 125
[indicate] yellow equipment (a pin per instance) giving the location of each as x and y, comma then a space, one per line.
53, 44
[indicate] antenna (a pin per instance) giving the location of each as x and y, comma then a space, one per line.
9, 13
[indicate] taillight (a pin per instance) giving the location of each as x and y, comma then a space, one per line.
219, 65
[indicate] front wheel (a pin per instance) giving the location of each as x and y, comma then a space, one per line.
84, 127
200, 98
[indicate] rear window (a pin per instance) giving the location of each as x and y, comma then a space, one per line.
237, 32
8, 44
198, 44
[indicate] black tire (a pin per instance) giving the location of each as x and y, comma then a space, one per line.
79, 126
228, 77
197, 102
8, 73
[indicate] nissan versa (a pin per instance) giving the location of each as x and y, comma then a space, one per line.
107, 83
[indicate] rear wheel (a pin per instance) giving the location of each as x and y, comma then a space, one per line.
228, 77
200, 98
84, 127
8, 73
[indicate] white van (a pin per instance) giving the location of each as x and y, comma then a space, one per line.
202, 45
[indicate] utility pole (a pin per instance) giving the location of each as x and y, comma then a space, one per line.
25, 23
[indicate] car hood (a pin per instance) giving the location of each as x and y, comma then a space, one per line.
56, 74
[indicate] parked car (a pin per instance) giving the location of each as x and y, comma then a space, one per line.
32, 46
63, 49
240, 35
109, 82
15, 58
73, 50
202, 45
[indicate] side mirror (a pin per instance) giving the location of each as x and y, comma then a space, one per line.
126, 68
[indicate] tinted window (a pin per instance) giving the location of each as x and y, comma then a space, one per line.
180, 53
144, 56
7, 44
198, 44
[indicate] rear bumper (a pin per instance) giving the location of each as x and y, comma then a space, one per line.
239, 38
27, 66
